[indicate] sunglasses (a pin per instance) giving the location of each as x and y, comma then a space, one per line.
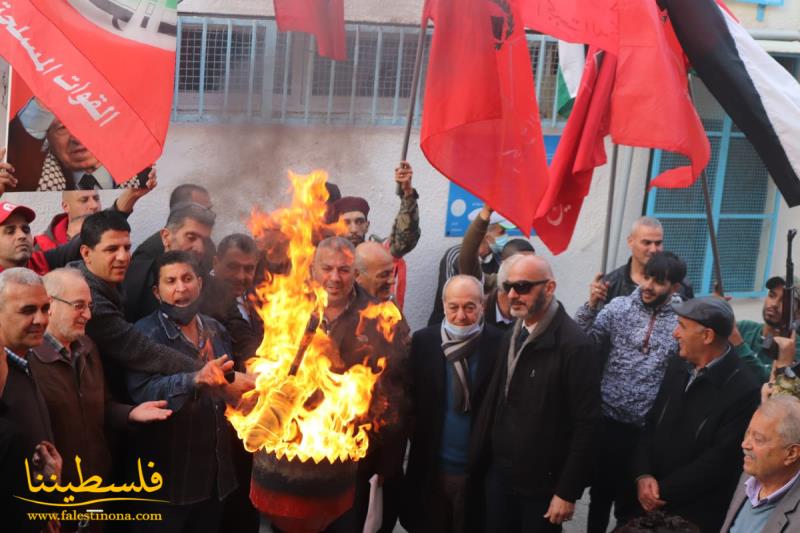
522, 287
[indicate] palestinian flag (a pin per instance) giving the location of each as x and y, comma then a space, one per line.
571, 57
761, 97
105, 68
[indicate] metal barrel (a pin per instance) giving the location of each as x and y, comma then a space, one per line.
301, 497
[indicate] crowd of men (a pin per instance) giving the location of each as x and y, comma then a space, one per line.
496, 417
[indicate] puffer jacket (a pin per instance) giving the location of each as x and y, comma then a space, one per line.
640, 344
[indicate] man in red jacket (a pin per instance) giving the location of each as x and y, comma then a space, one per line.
76, 206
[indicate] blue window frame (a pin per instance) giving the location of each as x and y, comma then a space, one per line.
745, 206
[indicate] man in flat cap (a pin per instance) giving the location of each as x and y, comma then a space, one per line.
353, 212
689, 458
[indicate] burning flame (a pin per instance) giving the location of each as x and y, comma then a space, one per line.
305, 411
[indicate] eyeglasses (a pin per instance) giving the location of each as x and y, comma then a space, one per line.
78, 305
522, 287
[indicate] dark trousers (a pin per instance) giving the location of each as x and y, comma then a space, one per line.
392, 501
613, 481
447, 505
202, 517
511, 512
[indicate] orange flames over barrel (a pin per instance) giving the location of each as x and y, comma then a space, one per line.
308, 412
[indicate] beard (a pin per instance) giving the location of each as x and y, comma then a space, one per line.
658, 302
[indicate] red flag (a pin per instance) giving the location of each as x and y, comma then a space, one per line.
579, 151
480, 124
593, 22
322, 18
20, 95
651, 103
106, 72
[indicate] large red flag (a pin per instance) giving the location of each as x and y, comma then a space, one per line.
651, 103
322, 18
579, 151
593, 22
480, 124
106, 71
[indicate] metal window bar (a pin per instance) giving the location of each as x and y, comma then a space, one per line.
225, 73
745, 206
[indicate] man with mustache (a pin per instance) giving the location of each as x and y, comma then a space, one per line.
645, 239
333, 270
532, 444
69, 372
637, 329
768, 492
748, 336
17, 243
688, 458
374, 270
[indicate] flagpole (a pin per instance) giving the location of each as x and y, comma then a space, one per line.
610, 206
712, 233
423, 30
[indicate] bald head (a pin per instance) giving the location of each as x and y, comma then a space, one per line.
374, 267
462, 297
530, 285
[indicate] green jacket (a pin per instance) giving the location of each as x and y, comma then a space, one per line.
750, 350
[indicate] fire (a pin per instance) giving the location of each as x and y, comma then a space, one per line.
303, 409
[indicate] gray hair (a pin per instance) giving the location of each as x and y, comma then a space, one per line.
337, 244
17, 276
55, 280
786, 410
505, 266
647, 222
472, 279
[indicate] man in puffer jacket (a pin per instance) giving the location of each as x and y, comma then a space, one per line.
637, 329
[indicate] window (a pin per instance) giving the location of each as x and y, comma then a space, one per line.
745, 205
225, 67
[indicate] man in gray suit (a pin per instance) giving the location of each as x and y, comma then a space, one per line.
769, 492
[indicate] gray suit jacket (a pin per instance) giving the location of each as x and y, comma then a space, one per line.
781, 519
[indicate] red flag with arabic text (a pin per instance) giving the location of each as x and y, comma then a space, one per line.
106, 71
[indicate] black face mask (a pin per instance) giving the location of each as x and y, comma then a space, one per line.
181, 315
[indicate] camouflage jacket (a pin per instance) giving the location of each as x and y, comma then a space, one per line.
405, 229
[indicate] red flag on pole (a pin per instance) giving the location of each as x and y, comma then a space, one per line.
651, 103
106, 72
322, 18
579, 151
480, 123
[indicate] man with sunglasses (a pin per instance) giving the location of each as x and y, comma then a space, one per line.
636, 331
531, 446
69, 372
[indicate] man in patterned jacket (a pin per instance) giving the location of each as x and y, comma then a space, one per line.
637, 330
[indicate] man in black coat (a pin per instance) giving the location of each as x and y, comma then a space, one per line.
451, 365
689, 457
531, 446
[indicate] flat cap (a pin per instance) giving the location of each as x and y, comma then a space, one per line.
710, 311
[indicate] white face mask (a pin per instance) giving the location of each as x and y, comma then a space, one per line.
462, 332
